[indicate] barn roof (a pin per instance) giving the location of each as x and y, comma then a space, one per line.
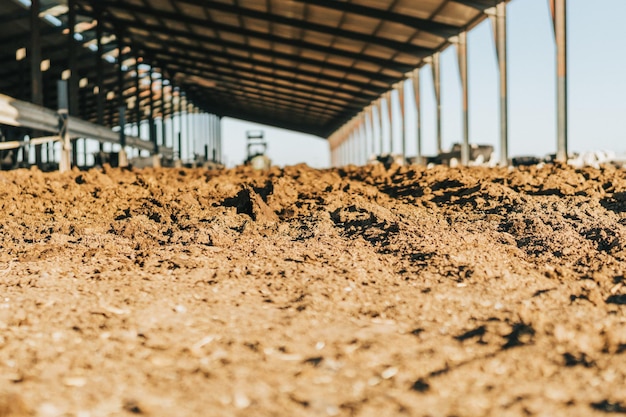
308, 66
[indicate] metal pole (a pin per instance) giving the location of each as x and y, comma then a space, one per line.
462, 56
178, 106
73, 81
390, 115
400, 88
219, 139
370, 114
152, 131
137, 98
83, 112
182, 123
418, 111
194, 131
163, 129
380, 125
111, 112
212, 137
349, 148
208, 135
436, 69
356, 141
66, 147
502, 65
121, 103
210, 132
122, 123
188, 108
338, 155
99, 75
173, 136
36, 78
122, 158
560, 26
364, 137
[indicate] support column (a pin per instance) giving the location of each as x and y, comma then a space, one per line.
349, 149
356, 141
501, 41
173, 136
99, 75
137, 98
462, 56
210, 133
65, 163
338, 154
370, 115
188, 110
163, 129
151, 126
418, 111
380, 125
559, 15
390, 114
220, 155
192, 132
436, 69
400, 89
122, 159
363, 123
36, 78
72, 65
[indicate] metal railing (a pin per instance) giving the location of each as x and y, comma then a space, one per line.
19, 113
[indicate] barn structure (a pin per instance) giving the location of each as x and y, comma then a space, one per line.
152, 76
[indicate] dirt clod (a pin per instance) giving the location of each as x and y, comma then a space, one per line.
350, 292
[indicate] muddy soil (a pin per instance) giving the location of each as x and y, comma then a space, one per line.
299, 292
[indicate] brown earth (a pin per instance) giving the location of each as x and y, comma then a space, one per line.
298, 292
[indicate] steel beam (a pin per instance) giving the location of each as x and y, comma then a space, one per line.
400, 89
425, 25
390, 116
121, 103
261, 35
99, 75
177, 110
501, 41
331, 30
65, 163
163, 129
152, 130
172, 111
269, 53
559, 14
137, 98
380, 125
462, 57
36, 78
72, 64
436, 69
370, 115
363, 125
219, 140
72, 59
418, 114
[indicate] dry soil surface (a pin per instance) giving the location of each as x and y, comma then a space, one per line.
298, 292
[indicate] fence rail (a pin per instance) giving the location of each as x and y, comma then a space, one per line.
19, 113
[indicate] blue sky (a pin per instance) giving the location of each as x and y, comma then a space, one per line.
597, 90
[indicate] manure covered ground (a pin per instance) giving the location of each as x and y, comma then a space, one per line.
299, 292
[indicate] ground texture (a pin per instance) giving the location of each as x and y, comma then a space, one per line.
299, 292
